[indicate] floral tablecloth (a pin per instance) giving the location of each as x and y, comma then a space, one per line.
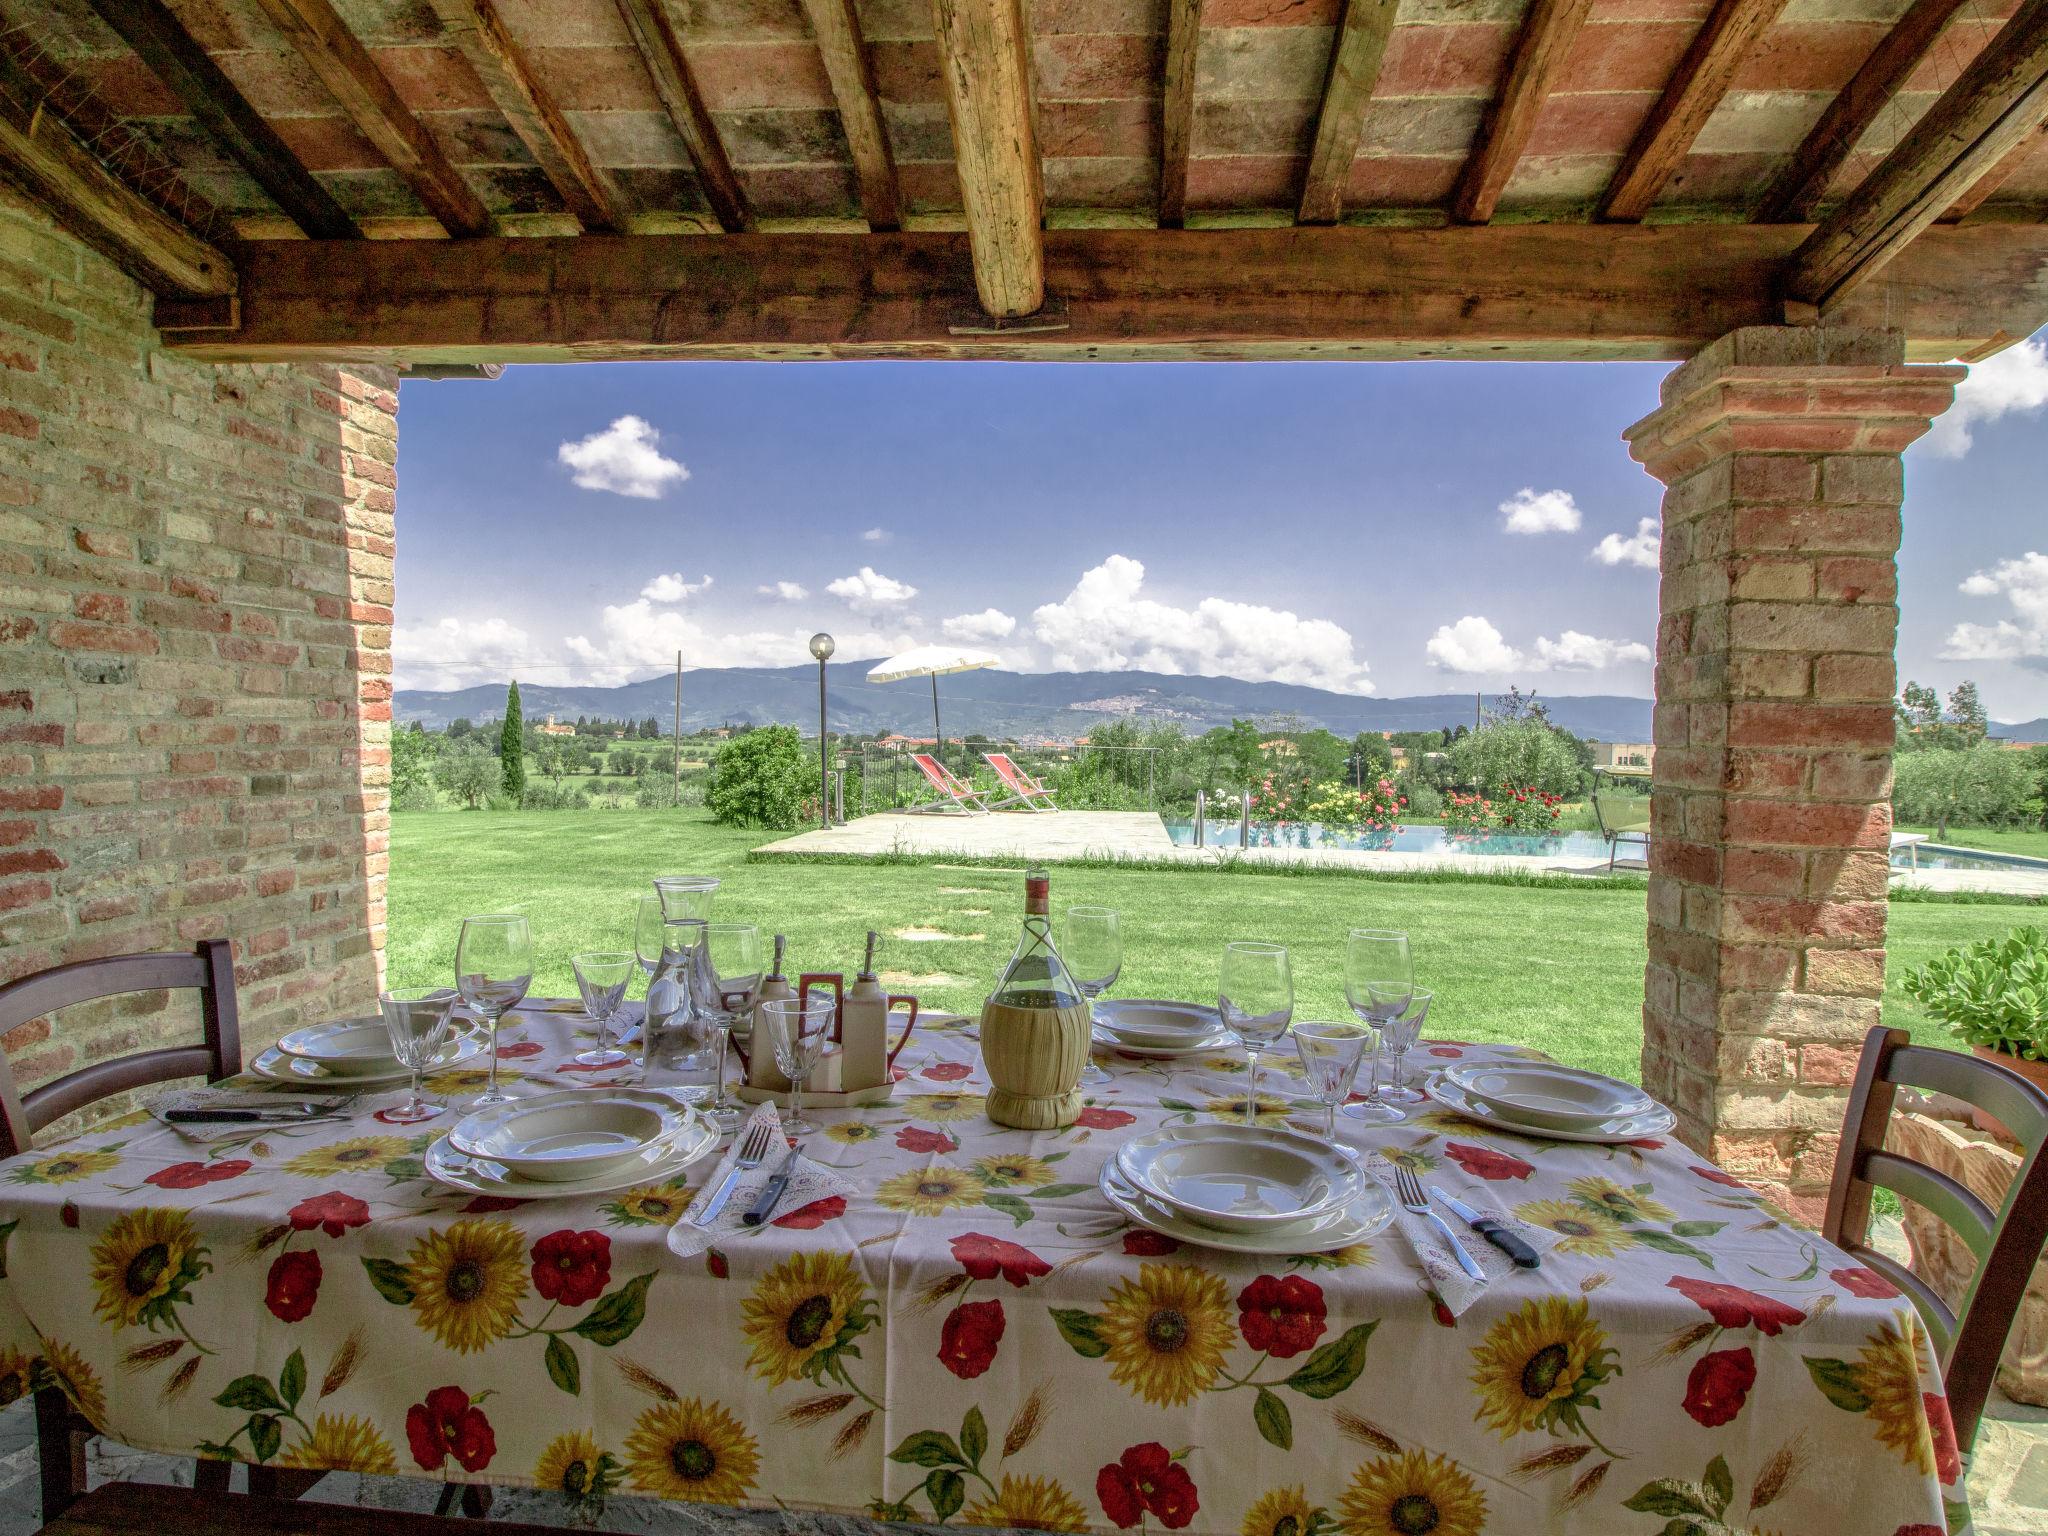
974, 1337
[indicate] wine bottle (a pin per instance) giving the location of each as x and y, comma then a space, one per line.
1035, 1027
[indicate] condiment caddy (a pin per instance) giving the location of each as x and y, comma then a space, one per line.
856, 1068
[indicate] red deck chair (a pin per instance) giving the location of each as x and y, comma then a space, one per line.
1025, 791
957, 794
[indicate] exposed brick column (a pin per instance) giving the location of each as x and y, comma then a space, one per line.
1779, 448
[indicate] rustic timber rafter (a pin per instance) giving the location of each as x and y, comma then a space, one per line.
1800, 186
189, 73
1540, 51
1355, 57
352, 77
654, 34
1177, 109
480, 32
1999, 101
985, 57
1991, 180
837, 29
1702, 79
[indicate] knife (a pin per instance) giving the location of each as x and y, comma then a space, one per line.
759, 1211
248, 1116
1493, 1231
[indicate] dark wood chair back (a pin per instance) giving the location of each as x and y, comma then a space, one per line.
2007, 1242
209, 970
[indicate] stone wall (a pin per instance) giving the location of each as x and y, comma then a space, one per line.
195, 591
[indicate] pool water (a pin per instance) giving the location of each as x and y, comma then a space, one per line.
1310, 835
1941, 856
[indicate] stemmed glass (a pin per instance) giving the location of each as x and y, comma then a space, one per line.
648, 934
1403, 1030
1379, 977
797, 1032
1256, 999
686, 895
728, 976
1092, 944
493, 969
602, 977
1330, 1054
417, 1019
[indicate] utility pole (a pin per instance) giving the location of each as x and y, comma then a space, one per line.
678, 795
1475, 711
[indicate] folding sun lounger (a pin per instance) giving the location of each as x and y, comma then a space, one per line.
1025, 791
958, 794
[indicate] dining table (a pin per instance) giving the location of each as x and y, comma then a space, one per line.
974, 1335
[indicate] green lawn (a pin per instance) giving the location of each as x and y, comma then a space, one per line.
1559, 968
2032, 841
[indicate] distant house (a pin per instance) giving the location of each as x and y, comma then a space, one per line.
552, 729
1623, 754
1279, 746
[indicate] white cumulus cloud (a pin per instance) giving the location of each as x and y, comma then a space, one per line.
1574, 652
1532, 511
869, 588
1474, 645
622, 459
1638, 549
2023, 637
785, 591
456, 653
638, 637
671, 588
1106, 622
989, 624
2013, 380
876, 536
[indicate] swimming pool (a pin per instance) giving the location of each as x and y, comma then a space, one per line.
1310, 835
1942, 856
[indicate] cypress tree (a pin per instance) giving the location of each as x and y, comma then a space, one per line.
512, 745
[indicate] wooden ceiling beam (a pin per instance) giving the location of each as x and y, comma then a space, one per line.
1540, 51
1799, 187
352, 77
1991, 180
1177, 109
1486, 291
985, 57
837, 29
475, 27
1355, 58
1701, 80
40, 154
654, 34
1998, 102
188, 72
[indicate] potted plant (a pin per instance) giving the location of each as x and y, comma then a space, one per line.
1994, 994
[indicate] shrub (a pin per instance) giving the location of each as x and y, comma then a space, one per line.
1993, 993
1517, 810
1982, 785
1425, 801
759, 779
415, 797
554, 797
1515, 755
1378, 806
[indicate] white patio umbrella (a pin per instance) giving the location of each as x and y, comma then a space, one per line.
930, 661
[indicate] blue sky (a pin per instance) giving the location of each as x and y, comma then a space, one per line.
1392, 528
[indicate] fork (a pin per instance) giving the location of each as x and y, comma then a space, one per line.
1409, 1190
753, 1148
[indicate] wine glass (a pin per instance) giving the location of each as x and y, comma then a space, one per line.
797, 1031
493, 969
602, 977
1330, 1054
1092, 944
1379, 976
417, 1019
1402, 1032
728, 976
1256, 999
684, 896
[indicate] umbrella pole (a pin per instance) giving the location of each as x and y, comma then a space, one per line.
939, 736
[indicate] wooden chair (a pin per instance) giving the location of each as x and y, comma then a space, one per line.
2006, 1242
61, 1431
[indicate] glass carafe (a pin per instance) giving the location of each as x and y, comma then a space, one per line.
673, 1054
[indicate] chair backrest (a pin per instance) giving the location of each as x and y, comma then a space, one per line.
941, 776
1009, 772
1619, 814
2007, 1242
209, 970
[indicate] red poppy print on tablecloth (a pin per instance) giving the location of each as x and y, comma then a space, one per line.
914, 1138
520, 1050
572, 1267
1485, 1163
1450, 1052
969, 1336
1733, 1307
449, 1424
947, 1071
985, 1257
816, 1214
193, 1175
1147, 1480
485, 1205
1282, 1317
333, 1213
1149, 1245
1858, 1281
293, 1286
1716, 1176
1948, 1457
1719, 1385
1096, 1118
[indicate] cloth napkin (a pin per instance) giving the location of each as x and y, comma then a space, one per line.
1457, 1290
205, 1133
808, 1182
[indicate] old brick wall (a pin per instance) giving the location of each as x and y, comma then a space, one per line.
195, 590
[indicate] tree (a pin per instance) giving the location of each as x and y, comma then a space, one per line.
760, 779
1515, 706
412, 767
1319, 756
512, 745
459, 727
1919, 715
549, 758
1966, 713
1372, 758
1982, 785
619, 762
469, 773
1234, 748
1512, 755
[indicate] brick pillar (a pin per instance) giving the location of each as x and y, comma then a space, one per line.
1779, 449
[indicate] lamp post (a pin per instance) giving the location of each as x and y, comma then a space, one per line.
822, 646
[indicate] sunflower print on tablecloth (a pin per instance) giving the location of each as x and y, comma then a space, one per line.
66, 1167
144, 1265
574, 1466
1538, 1368
1412, 1494
692, 1450
1167, 1332
467, 1282
1584, 1228
943, 1108
852, 1132
17, 1375
1265, 1107
1285, 1512
73, 1375
1027, 1504
1015, 1170
1883, 1384
1623, 1203
356, 1155
804, 1312
341, 1442
648, 1205
930, 1191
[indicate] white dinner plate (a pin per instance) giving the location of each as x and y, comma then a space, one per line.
1338, 1228
1657, 1122
480, 1176
1155, 1022
355, 1047
575, 1133
1240, 1178
1545, 1094
280, 1068
1222, 1040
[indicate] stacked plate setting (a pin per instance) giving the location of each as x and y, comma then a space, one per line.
575, 1141
1556, 1102
1251, 1189
1156, 1028
352, 1053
